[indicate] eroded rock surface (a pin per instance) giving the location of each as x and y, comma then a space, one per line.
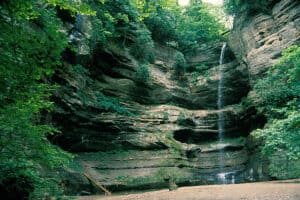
172, 130
258, 39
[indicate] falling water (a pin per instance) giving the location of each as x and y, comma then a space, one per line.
226, 178
220, 95
221, 176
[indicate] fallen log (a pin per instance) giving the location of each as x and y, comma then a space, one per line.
97, 184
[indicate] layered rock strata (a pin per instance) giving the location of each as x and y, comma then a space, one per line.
172, 130
258, 39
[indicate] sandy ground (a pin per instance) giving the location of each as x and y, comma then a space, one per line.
289, 190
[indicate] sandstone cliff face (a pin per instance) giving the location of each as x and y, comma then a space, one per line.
174, 127
173, 131
258, 40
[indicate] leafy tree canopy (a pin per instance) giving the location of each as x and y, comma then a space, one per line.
30, 51
187, 27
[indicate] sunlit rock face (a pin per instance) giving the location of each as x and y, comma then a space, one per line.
258, 39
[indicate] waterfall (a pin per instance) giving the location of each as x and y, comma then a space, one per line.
220, 95
221, 175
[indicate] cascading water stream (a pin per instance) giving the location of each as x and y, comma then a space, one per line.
220, 95
221, 175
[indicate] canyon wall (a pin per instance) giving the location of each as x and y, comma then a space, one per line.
258, 39
171, 131
170, 127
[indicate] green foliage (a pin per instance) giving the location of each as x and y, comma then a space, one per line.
282, 168
122, 10
186, 27
30, 9
142, 74
143, 48
278, 97
115, 20
100, 101
162, 26
72, 6
194, 76
236, 6
282, 135
110, 104
182, 119
281, 84
197, 25
232, 6
147, 7
167, 22
30, 52
282, 145
99, 34
198, 68
179, 65
201, 68
103, 26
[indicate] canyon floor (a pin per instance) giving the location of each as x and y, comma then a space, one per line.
276, 190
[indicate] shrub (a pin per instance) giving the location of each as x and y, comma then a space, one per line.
162, 26
199, 68
142, 73
179, 65
110, 104
194, 77
282, 139
99, 35
143, 47
181, 120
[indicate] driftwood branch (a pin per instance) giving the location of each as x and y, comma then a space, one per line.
97, 184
